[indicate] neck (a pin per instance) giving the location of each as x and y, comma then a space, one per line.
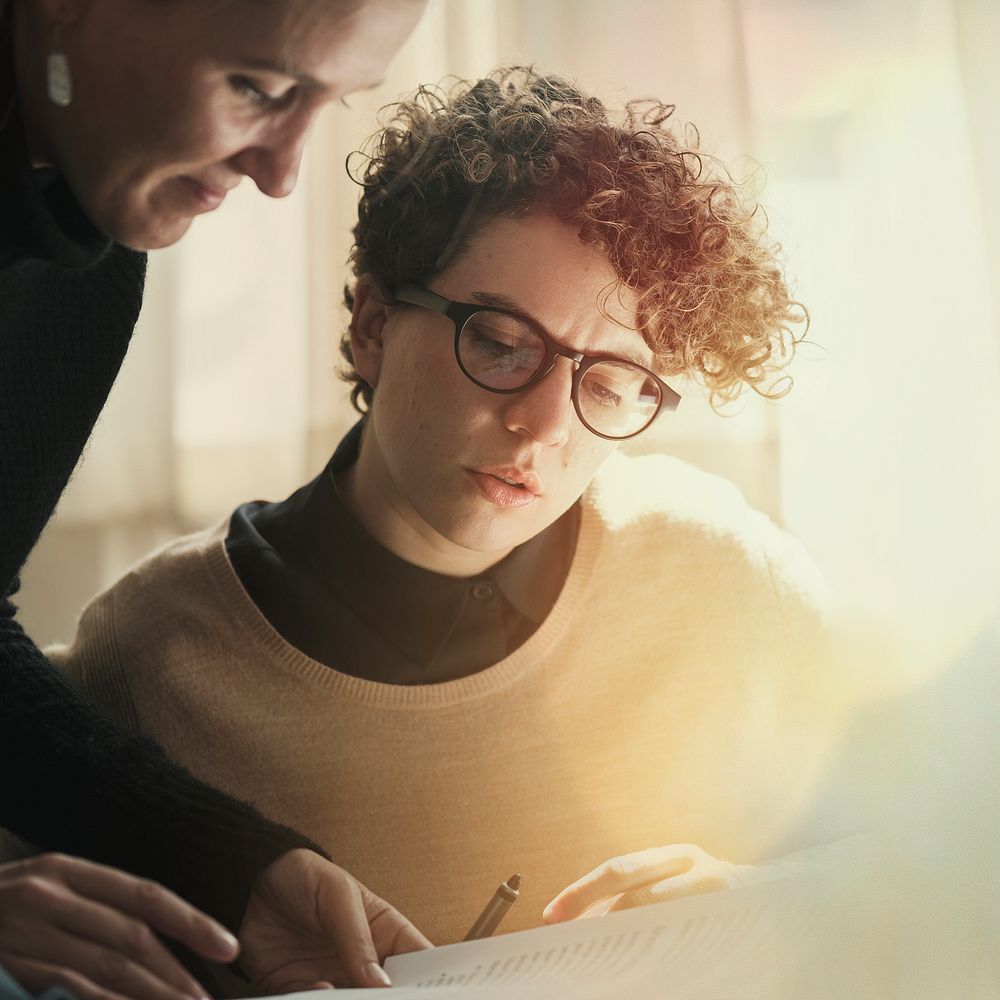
368, 492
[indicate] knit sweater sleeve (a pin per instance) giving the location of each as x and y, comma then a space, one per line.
70, 780
113, 796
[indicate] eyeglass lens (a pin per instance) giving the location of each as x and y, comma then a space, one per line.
499, 351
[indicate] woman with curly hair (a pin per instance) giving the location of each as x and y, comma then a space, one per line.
712, 302
481, 628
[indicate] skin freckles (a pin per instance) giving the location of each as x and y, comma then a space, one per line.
174, 103
430, 428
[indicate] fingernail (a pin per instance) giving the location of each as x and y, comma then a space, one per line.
548, 912
377, 974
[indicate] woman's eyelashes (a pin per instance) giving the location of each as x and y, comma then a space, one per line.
260, 96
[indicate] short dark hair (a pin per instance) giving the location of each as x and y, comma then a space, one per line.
674, 225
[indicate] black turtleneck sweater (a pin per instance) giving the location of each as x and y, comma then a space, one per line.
69, 779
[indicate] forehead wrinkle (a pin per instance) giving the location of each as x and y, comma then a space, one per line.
497, 301
300, 21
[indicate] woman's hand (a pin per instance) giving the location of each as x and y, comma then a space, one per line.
311, 924
650, 876
90, 929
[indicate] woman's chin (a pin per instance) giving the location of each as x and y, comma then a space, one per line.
146, 226
153, 234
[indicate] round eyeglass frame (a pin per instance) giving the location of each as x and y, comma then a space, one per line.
461, 312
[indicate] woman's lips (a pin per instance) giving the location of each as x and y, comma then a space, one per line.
209, 198
500, 493
519, 475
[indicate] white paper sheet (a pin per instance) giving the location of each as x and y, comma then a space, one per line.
742, 943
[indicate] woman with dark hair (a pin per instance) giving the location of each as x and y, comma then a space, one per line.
120, 121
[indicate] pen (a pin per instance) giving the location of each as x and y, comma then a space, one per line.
496, 909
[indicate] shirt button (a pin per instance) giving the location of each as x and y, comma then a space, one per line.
482, 591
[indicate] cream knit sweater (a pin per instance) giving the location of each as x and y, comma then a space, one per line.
675, 694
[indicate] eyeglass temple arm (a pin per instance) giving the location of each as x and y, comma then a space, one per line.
416, 296
670, 399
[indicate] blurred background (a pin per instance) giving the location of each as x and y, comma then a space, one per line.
870, 128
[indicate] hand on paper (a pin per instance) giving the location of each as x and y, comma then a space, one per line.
89, 929
650, 876
311, 924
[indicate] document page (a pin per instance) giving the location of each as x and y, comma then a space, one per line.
741, 943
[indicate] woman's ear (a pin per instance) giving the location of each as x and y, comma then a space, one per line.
368, 319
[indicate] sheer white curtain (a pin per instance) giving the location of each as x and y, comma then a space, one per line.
880, 131
872, 125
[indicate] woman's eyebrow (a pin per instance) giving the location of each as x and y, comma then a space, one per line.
497, 301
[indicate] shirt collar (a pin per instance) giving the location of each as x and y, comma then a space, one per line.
321, 534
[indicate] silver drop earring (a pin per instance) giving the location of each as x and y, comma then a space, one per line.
58, 78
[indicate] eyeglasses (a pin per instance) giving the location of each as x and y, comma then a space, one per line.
505, 353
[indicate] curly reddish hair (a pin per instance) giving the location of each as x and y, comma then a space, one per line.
713, 300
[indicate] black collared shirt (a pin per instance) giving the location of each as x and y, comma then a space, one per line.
331, 590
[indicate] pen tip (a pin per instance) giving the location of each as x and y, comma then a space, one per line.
514, 882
